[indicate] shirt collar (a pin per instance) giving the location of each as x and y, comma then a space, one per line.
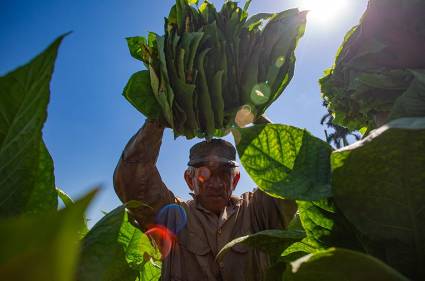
229, 210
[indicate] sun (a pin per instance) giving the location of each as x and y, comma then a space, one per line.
324, 10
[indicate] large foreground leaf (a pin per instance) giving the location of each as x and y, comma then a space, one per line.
340, 264
379, 185
42, 197
26, 168
285, 161
299, 249
325, 226
116, 250
44, 247
317, 223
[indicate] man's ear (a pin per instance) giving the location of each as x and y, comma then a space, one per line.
236, 178
189, 180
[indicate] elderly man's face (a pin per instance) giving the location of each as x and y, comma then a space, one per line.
213, 185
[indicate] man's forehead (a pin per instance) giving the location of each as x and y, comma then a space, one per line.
216, 150
213, 160
214, 165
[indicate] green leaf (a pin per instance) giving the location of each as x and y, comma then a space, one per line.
276, 47
232, 39
339, 264
208, 12
280, 38
42, 198
151, 271
26, 168
224, 77
139, 93
184, 115
135, 46
325, 226
249, 77
136, 204
316, 222
205, 110
165, 95
192, 2
412, 102
66, 199
271, 241
284, 161
68, 202
217, 100
43, 247
114, 250
367, 77
388, 80
194, 46
246, 6
137, 247
185, 47
378, 184
257, 20
299, 249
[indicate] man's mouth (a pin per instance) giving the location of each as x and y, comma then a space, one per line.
220, 195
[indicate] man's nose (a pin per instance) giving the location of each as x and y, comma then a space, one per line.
215, 182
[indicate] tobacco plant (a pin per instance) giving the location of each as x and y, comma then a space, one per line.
213, 70
361, 208
38, 241
379, 64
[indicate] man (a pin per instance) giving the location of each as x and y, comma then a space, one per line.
214, 217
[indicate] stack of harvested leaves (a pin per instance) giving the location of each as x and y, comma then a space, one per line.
380, 67
213, 70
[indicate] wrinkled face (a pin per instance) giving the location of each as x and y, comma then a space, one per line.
213, 185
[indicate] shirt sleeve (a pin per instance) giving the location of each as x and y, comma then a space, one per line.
268, 212
136, 176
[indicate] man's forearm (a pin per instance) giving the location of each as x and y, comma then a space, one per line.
136, 168
143, 147
137, 178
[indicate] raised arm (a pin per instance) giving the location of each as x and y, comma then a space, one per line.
137, 178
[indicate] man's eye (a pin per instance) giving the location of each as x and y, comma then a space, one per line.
203, 174
201, 179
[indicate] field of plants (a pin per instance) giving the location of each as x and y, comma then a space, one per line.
361, 208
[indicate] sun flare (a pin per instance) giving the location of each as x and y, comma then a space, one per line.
324, 10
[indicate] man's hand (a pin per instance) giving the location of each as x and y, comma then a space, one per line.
144, 146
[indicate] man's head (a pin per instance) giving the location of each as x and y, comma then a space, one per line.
212, 173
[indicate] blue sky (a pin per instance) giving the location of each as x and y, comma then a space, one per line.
89, 122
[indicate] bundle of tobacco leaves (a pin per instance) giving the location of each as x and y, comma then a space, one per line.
212, 70
380, 67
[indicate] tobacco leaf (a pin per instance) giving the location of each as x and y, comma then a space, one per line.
378, 183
